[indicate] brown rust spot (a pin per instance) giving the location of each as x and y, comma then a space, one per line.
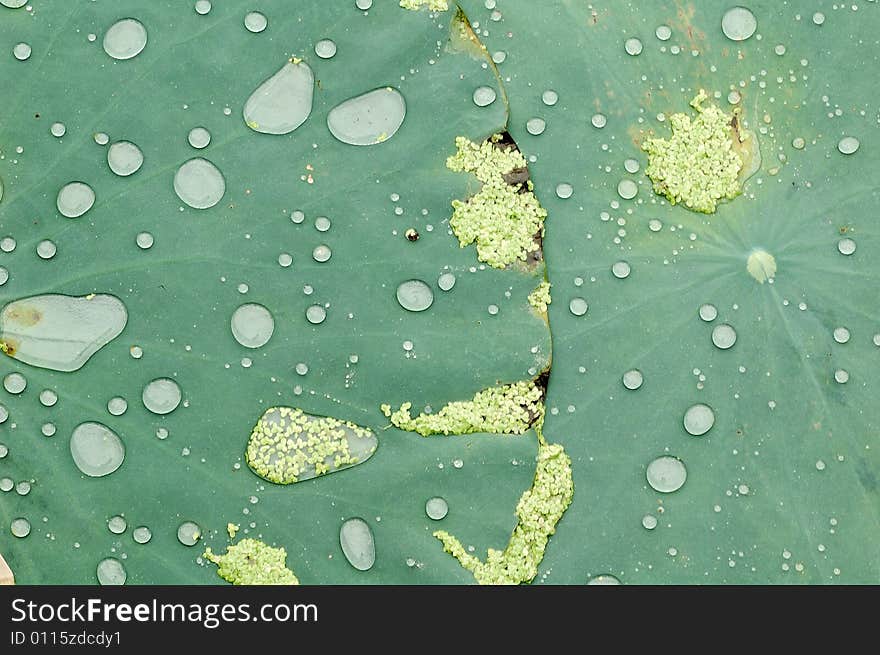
22, 315
8, 347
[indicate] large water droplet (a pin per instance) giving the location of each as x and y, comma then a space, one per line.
484, 96
846, 246
21, 51
848, 145
315, 314
633, 46
633, 379
20, 527
188, 533
699, 419
142, 534
161, 396
724, 336
111, 572
738, 24
283, 102
627, 189
357, 543
255, 22
708, 312
325, 48
124, 158
578, 306
436, 508
199, 137
75, 199
666, 474
252, 325
96, 450
125, 39
368, 119
446, 281
199, 183
415, 295
117, 524
60, 332
13, 4
14, 383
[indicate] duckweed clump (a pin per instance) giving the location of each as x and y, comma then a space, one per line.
251, 562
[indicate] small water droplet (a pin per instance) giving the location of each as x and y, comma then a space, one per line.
46, 249
631, 165
627, 189
484, 96
255, 22
101, 139
15, 383
846, 246
599, 121
124, 158
142, 534
633, 46
649, 521
199, 183
564, 190
436, 508
446, 281
285, 260
415, 295
117, 524
621, 270
549, 97
58, 130
20, 528
161, 396
699, 419
708, 312
738, 24
7, 244
723, 336
848, 145
321, 253
252, 325
818, 18
578, 306
144, 240
283, 102
75, 199
23, 488
663, 32
125, 39
48, 398
370, 118
841, 334
110, 571
203, 7
633, 379
199, 137
841, 376
322, 223
96, 450
117, 405
316, 314
666, 474
48, 429
21, 51
188, 533
363, 4
4, 275
358, 546
536, 126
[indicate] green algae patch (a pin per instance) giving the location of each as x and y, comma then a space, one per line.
287, 445
540, 297
432, 5
504, 219
506, 409
538, 511
698, 165
251, 562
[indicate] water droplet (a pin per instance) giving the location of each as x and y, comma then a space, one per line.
316, 314
21, 51
6, 485
666, 474
621, 270
124, 158
848, 145
798, 143
484, 96
436, 508
841, 334
603, 580
23, 488
75, 199
58, 130
117, 524
20, 528
633, 379
708, 312
252, 325
493, 310
357, 543
48, 398
536, 126
363, 4
578, 306
297, 216
818, 18
199, 137
188, 533
255, 22
46, 249
136, 352
663, 32
649, 521
322, 223
142, 534
368, 119
564, 190
325, 48
125, 39
144, 240
699, 419
161, 396
549, 97
96, 450
415, 295
724, 336
841, 376
738, 24
4, 275
101, 139
627, 189
446, 281
846, 246
599, 121
199, 183
13, 4
202, 7
62, 332
283, 102
110, 571
7, 244
48, 429
15, 383
321, 253
633, 46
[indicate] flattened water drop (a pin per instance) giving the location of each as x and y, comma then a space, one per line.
316, 314
415, 295
846, 246
325, 48
621, 270
96, 450
199, 183
724, 336
14, 383
124, 158
633, 379
255, 22
484, 96
761, 265
117, 524
633, 46
446, 281
161, 396
125, 39
666, 474
20, 527
199, 137
578, 306
61, 332
564, 190
287, 445
283, 102
356, 539
536, 126
46, 249
75, 199
699, 419
188, 533
848, 145
21, 51
436, 508
110, 571
708, 312
599, 121
368, 119
252, 325
738, 24
627, 189
142, 534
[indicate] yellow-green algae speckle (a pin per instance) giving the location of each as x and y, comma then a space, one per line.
538, 511
697, 165
251, 562
502, 219
433, 5
540, 297
287, 445
506, 409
